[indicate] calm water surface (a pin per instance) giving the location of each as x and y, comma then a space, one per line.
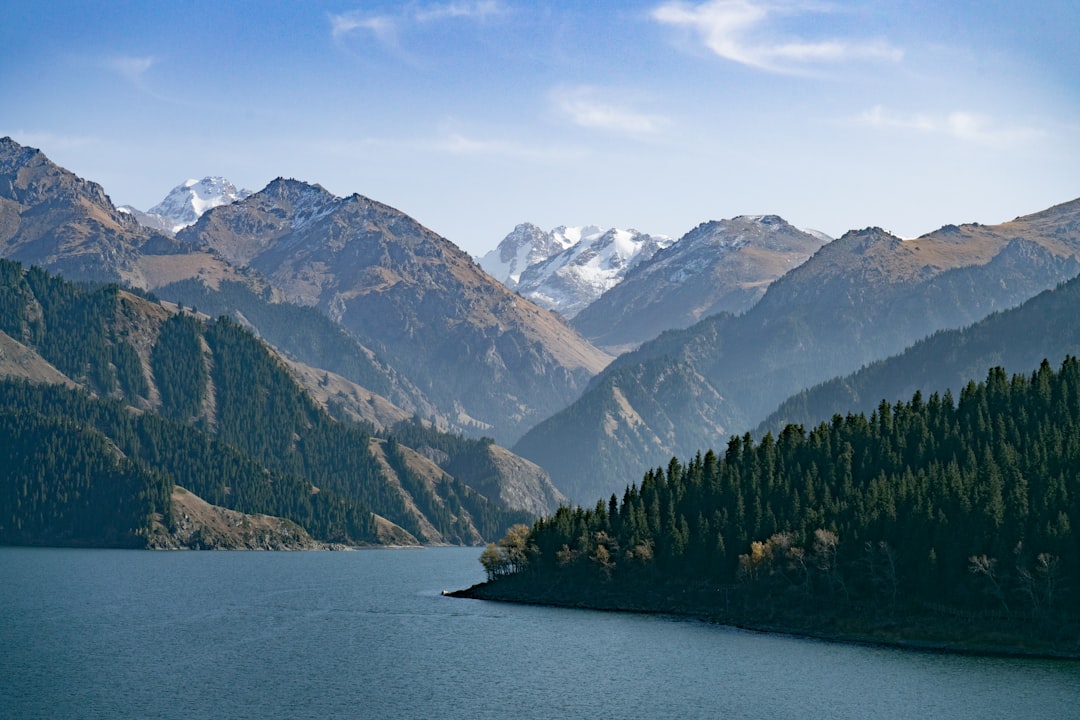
128, 634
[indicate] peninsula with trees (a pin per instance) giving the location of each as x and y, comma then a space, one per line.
939, 523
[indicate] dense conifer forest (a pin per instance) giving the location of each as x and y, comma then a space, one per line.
86, 471
935, 517
211, 410
302, 332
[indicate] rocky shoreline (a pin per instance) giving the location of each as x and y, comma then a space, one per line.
198, 525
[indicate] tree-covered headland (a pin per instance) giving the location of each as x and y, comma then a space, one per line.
932, 521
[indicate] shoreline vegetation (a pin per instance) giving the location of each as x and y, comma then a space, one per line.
935, 524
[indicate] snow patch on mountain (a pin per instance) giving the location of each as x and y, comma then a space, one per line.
569, 267
719, 266
825, 239
187, 202
525, 245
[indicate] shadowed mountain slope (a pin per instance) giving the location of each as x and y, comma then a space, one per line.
204, 405
1046, 326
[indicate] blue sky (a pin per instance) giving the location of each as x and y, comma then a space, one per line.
475, 115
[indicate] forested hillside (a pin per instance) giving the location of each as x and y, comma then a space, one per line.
85, 471
302, 333
167, 399
929, 520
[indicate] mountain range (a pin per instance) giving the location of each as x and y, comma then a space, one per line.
53, 219
492, 361
1018, 339
489, 361
50, 218
863, 297
384, 324
719, 266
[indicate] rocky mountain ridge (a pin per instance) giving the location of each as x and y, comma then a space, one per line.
860, 298
571, 280
464, 349
414, 297
185, 203
525, 246
719, 266
51, 218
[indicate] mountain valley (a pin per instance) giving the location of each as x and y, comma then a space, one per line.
422, 363
860, 298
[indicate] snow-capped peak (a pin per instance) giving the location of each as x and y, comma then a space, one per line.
570, 266
525, 245
187, 202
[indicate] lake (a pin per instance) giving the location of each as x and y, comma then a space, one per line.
367, 634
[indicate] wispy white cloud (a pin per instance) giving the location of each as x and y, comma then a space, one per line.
386, 28
383, 28
457, 143
448, 138
740, 31
469, 10
961, 125
133, 68
584, 107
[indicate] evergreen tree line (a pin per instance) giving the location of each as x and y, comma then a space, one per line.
469, 462
63, 483
447, 502
1046, 325
413, 433
927, 505
87, 471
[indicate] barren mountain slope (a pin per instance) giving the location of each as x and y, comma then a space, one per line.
723, 266
491, 360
